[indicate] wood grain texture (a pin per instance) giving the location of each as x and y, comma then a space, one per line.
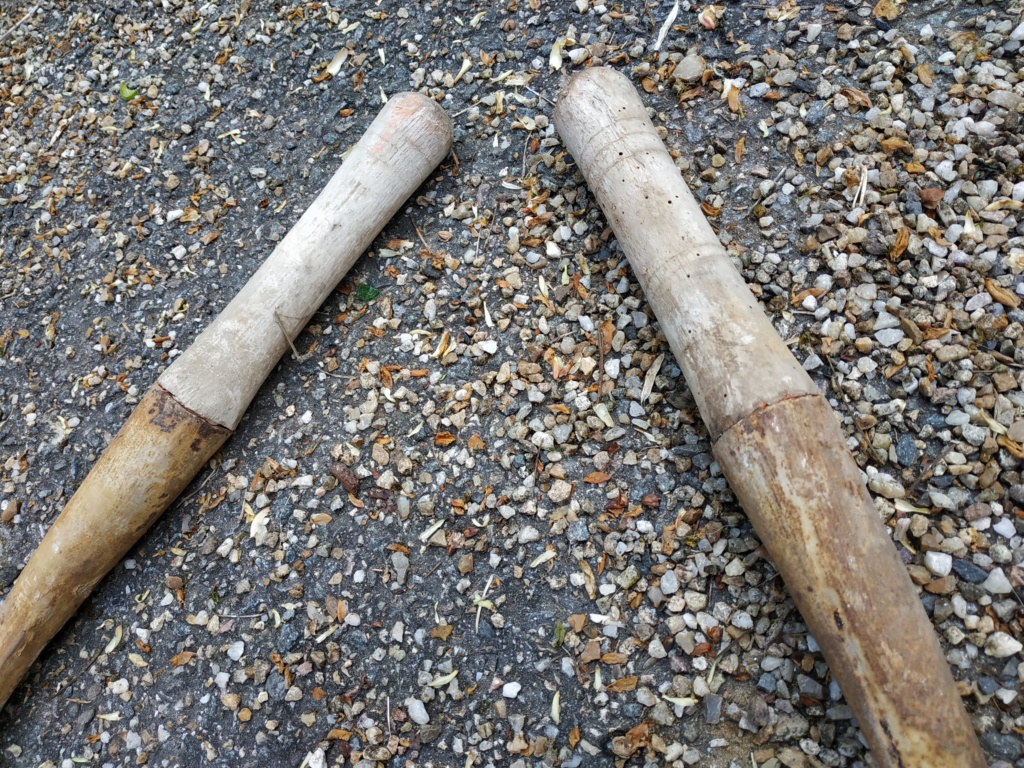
697, 295
220, 373
789, 467
199, 400
148, 463
774, 436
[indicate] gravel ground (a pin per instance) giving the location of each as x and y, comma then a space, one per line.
480, 523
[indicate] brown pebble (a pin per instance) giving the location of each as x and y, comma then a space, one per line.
977, 511
943, 586
1004, 381
348, 479
10, 510
245, 714
174, 582
380, 454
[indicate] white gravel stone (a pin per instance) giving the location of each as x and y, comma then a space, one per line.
527, 534
997, 583
946, 171
1000, 645
511, 690
742, 620
669, 583
560, 491
656, 649
889, 337
417, 712
939, 563
235, 650
1005, 528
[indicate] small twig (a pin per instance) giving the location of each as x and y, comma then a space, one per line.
74, 678
298, 357
20, 21
539, 95
202, 485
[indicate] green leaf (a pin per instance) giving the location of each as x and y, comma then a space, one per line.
559, 633
128, 93
366, 292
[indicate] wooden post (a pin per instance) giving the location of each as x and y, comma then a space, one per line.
775, 437
200, 399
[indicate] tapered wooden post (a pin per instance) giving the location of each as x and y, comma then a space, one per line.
200, 399
775, 437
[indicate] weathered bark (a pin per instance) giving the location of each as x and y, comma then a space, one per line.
193, 408
774, 436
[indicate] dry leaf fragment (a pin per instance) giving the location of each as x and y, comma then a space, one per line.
444, 439
442, 680
574, 737
614, 658
900, 244
578, 621
741, 149
1005, 297
1016, 449
555, 58
994, 425
115, 640
623, 684
635, 738
1003, 204
733, 98
926, 75
543, 558
902, 505
441, 631
182, 658
589, 582
597, 477
591, 652
709, 210
887, 10
894, 143
857, 97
